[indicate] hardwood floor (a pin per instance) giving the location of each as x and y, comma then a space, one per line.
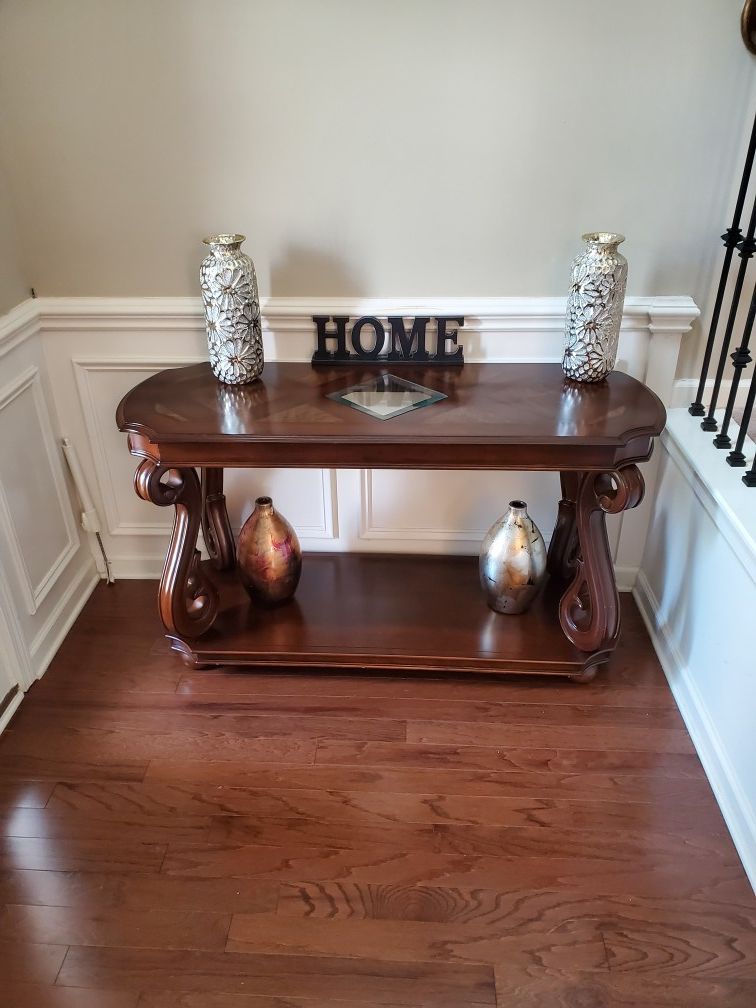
175, 839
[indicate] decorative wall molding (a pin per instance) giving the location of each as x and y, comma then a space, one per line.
65, 313
46, 572
288, 330
10, 710
83, 368
34, 594
712, 749
14, 648
18, 325
328, 529
144, 366
718, 487
83, 314
53, 631
369, 529
669, 320
703, 525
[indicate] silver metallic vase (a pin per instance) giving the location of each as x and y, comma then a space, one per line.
594, 308
232, 311
512, 561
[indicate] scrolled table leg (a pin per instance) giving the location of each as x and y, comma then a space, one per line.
563, 547
188, 602
589, 609
216, 528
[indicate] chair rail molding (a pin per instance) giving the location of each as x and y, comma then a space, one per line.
18, 325
289, 330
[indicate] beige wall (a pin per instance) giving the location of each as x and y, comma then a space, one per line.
379, 148
13, 289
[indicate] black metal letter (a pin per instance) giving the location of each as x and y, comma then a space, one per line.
380, 337
403, 352
442, 336
323, 353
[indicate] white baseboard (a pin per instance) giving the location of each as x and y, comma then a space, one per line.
685, 389
62, 618
52, 633
137, 567
731, 798
625, 577
10, 710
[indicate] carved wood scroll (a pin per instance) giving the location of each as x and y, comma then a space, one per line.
589, 609
563, 548
216, 528
188, 603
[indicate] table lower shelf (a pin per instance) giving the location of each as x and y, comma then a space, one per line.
378, 611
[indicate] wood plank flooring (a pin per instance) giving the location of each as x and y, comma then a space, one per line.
176, 839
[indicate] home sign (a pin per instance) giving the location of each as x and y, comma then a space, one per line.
368, 340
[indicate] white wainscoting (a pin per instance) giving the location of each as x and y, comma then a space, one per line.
102, 382
46, 569
697, 593
99, 348
426, 507
35, 513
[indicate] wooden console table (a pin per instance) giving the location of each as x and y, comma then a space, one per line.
378, 611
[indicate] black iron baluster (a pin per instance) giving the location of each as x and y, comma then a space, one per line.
746, 248
736, 456
741, 358
750, 477
731, 237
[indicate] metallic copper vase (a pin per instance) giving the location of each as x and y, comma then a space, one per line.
512, 561
269, 555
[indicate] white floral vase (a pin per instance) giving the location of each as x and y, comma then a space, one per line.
594, 308
232, 311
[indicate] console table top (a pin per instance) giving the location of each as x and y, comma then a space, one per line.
495, 416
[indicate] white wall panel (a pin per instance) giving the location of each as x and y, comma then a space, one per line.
101, 385
46, 572
15, 660
697, 590
39, 534
307, 497
450, 508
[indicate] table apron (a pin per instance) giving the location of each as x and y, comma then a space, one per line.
435, 456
